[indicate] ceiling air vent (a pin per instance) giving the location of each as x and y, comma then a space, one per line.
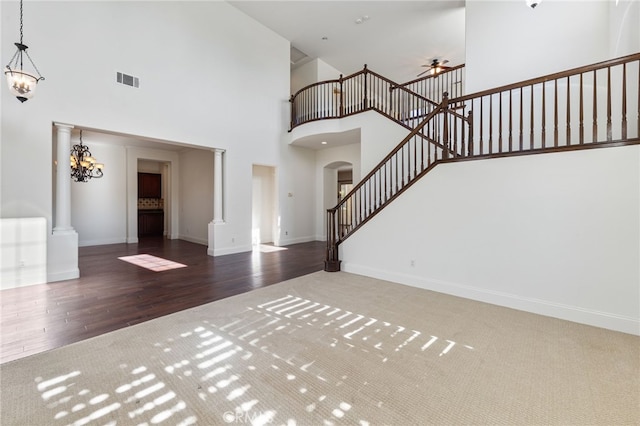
127, 79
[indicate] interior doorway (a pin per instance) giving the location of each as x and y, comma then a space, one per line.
337, 182
152, 197
263, 205
345, 185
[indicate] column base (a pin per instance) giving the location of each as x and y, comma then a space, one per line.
63, 231
62, 256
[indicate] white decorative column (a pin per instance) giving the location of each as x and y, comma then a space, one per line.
62, 258
63, 179
218, 219
217, 186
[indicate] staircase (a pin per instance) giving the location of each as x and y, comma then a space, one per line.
588, 107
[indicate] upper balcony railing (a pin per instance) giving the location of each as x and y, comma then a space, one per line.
365, 90
434, 86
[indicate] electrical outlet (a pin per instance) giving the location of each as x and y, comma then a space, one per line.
233, 240
412, 262
286, 232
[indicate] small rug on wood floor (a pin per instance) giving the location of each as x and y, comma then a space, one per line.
333, 348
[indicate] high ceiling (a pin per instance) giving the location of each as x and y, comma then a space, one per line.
394, 38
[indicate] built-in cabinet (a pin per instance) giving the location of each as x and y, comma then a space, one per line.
150, 205
149, 185
150, 223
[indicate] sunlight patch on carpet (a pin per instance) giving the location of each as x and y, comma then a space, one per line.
331, 349
153, 263
224, 361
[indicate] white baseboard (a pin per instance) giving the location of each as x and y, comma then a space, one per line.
63, 275
288, 241
195, 240
102, 242
132, 240
577, 314
229, 250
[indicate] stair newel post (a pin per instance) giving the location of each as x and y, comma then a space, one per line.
341, 96
365, 99
445, 123
470, 124
293, 112
332, 262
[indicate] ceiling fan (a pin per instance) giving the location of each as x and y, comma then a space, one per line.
435, 67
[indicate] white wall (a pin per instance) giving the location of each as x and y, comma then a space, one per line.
99, 206
555, 234
304, 75
145, 166
312, 72
296, 191
210, 45
196, 194
507, 42
326, 71
263, 208
624, 36
23, 252
379, 136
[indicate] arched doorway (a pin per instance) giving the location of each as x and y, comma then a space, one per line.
337, 182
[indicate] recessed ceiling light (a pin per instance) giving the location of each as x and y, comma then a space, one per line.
323, 142
361, 19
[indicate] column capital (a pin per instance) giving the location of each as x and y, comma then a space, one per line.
63, 125
219, 150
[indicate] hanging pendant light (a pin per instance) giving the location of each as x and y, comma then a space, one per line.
83, 166
22, 84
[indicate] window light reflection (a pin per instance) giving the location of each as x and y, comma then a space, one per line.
224, 358
152, 263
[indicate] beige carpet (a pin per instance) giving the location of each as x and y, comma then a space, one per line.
333, 348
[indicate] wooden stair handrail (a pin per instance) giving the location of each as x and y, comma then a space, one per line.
449, 135
550, 77
413, 133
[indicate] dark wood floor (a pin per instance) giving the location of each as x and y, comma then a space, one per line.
112, 294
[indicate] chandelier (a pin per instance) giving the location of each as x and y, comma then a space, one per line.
83, 166
22, 84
